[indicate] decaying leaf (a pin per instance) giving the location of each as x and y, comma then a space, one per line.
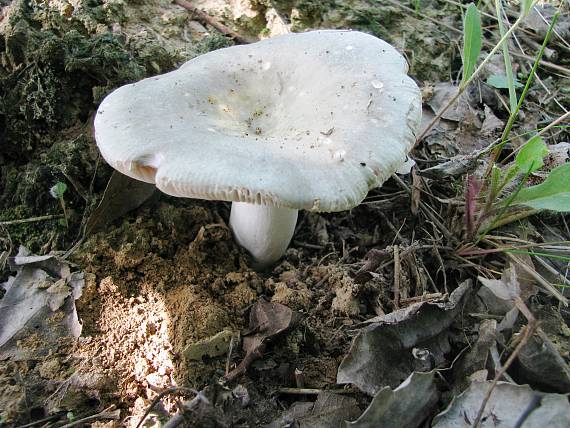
491, 123
372, 260
454, 167
382, 352
39, 302
477, 357
330, 410
499, 295
514, 282
462, 110
265, 321
406, 406
122, 194
214, 346
539, 364
508, 403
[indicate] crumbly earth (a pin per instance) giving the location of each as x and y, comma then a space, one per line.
167, 275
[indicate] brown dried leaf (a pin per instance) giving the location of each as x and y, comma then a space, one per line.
265, 321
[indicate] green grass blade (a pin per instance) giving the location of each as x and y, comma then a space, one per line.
507, 58
540, 254
471, 41
526, 5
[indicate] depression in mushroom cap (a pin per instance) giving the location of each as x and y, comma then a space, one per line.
302, 121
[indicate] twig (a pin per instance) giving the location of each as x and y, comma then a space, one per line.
248, 360
548, 286
173, 390
397, 272
31, 219
187, 406
313, 391
554, 123
422, 298
108, 413
308, 245
41, 421
203, 16
229, 357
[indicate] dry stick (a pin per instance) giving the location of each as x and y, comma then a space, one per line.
552, 270
548, 286
313, 391
162, 394
397, 271
553, 124
203, 16
528, 332
108, 413
422, 298
31, 219
41, 421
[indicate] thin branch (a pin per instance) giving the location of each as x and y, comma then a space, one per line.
204, 17
159, 397
313, 391
31, 219
528, 332
108, 413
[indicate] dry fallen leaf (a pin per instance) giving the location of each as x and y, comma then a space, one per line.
265, 321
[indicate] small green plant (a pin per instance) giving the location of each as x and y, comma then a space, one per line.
57, 191
489, 199
471, 42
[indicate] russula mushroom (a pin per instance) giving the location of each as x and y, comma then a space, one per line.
302, 121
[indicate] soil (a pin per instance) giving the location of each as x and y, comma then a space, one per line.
168, 274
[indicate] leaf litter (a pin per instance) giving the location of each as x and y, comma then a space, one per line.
163, 296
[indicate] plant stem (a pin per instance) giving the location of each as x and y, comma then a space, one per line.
514, 113
30, 220
499, 216
62, 202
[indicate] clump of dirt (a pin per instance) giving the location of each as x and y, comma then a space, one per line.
165, 280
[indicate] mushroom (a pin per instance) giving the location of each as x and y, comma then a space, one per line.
306, 121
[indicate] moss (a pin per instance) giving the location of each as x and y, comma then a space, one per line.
212, 42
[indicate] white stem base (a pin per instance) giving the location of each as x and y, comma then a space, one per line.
263, 231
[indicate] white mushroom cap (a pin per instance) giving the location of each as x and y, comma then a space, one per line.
304, 121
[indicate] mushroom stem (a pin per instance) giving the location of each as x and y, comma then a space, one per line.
262, 230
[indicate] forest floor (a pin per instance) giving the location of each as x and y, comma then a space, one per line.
131, 302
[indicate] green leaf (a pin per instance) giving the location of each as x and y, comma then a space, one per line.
530, 157
500, 81
553, 194
58, 189
471, 41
